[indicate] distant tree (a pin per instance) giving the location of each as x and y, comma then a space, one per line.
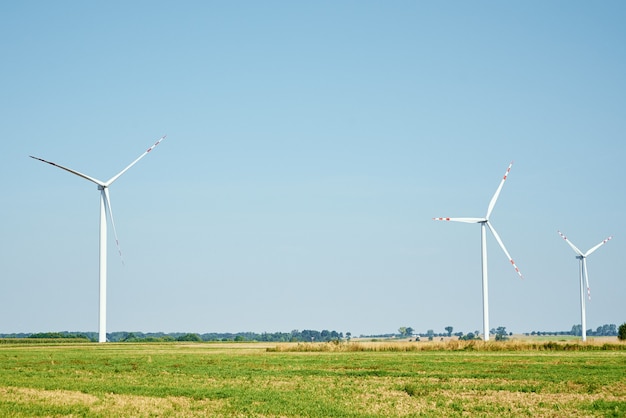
469, 336
405, 331
501, 334
449, 330
189, 337
621, 332
576, 330
430, 333
348, 335
309, 335
606, 330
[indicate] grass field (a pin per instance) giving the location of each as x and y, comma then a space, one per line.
313, 380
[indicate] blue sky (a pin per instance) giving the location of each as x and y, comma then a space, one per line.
309, 146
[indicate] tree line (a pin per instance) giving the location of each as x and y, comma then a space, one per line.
404, 332
123, 336
606, 330
500, 333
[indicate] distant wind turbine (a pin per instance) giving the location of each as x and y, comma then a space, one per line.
105, 207
583, 272
484, 223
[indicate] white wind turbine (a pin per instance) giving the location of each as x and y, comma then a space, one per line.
105, 207
583, 272
484, 223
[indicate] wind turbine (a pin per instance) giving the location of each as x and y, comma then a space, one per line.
583, 272
105, 208
484, 224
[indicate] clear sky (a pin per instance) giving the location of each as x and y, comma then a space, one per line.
309, 145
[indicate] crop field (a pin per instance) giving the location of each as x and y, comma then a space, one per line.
312, 380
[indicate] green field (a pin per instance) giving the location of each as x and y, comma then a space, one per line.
325, 380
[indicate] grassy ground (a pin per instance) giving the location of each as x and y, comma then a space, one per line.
313, 380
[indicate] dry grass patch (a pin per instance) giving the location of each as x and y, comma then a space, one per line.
450, 345
468, 397
114, 404
54, 397
513, 403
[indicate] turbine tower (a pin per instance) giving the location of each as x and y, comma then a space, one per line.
484, 224
105, 208
582, 257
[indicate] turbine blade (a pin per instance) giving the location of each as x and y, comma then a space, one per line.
466, 220
497, 237
598, 246
115, 177
586, 278
79, 174
107, 201
576, 250
495, 196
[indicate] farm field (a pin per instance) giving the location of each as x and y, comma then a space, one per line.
312, 380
